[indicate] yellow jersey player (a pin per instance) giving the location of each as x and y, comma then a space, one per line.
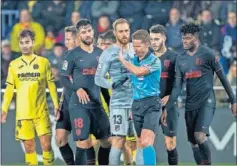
29, 75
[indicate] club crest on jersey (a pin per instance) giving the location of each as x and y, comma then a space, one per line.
35, 66
167, 63
198, 61
65, 65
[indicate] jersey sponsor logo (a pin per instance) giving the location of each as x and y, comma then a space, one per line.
198, 61
167, 63
28, 76
193, 74
65, 65
35, 66
89, 71
164, 75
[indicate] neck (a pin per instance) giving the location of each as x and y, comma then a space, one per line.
124, 46
192, 51
161, 51
29, 54
87, 48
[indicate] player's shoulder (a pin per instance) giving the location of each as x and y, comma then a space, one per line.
182, 56
154, 58
207, 52
71, 54
42, 59
98, 50
111, 49
15, 61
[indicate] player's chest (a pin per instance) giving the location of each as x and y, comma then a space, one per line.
87, 65
194, 66
166, 67
116, 67
30, 72
86, 62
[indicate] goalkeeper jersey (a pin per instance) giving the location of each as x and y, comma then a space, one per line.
30, 75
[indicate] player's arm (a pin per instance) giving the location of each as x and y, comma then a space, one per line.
66, 72
52, 89
216, 66
177, 86
142, 70
9, 91
102, 70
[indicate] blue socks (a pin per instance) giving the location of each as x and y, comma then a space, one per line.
149, 155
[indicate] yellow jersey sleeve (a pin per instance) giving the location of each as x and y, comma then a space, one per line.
9, 90
51, 85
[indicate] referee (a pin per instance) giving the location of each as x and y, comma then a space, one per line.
146, 70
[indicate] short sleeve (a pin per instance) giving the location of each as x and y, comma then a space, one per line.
154, 65
178, 72
49, 74
68, 65
214, 61
10, 77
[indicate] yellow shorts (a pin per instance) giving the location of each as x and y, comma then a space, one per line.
25, 129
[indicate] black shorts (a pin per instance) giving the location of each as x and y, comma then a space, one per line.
172, 122
145, 114
199, 120
86, 121
64, 120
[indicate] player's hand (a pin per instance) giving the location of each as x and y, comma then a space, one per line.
163, 117
233, 109
56, 113
3, 117
83, 96
119, 83
164, 100
120, 57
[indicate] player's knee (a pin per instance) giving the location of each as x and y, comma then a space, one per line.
29, 146
61, 137
118, 142
105, 143
60, 141
46, 146
200, 137
170, 143
85, 144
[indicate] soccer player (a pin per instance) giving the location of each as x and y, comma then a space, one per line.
85, 111
105, 40
167, 57
121, 99
30, 74
197, 66
146, 71
63, 126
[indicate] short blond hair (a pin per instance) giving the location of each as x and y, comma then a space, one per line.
142, 35
120, 21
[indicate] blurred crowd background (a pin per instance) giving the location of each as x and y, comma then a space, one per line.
48, 19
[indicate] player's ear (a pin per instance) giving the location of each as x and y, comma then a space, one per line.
165, 38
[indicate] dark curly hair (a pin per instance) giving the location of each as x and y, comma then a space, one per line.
190, 28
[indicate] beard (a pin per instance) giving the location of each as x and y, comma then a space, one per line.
159, 47
88, 42
122, 41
